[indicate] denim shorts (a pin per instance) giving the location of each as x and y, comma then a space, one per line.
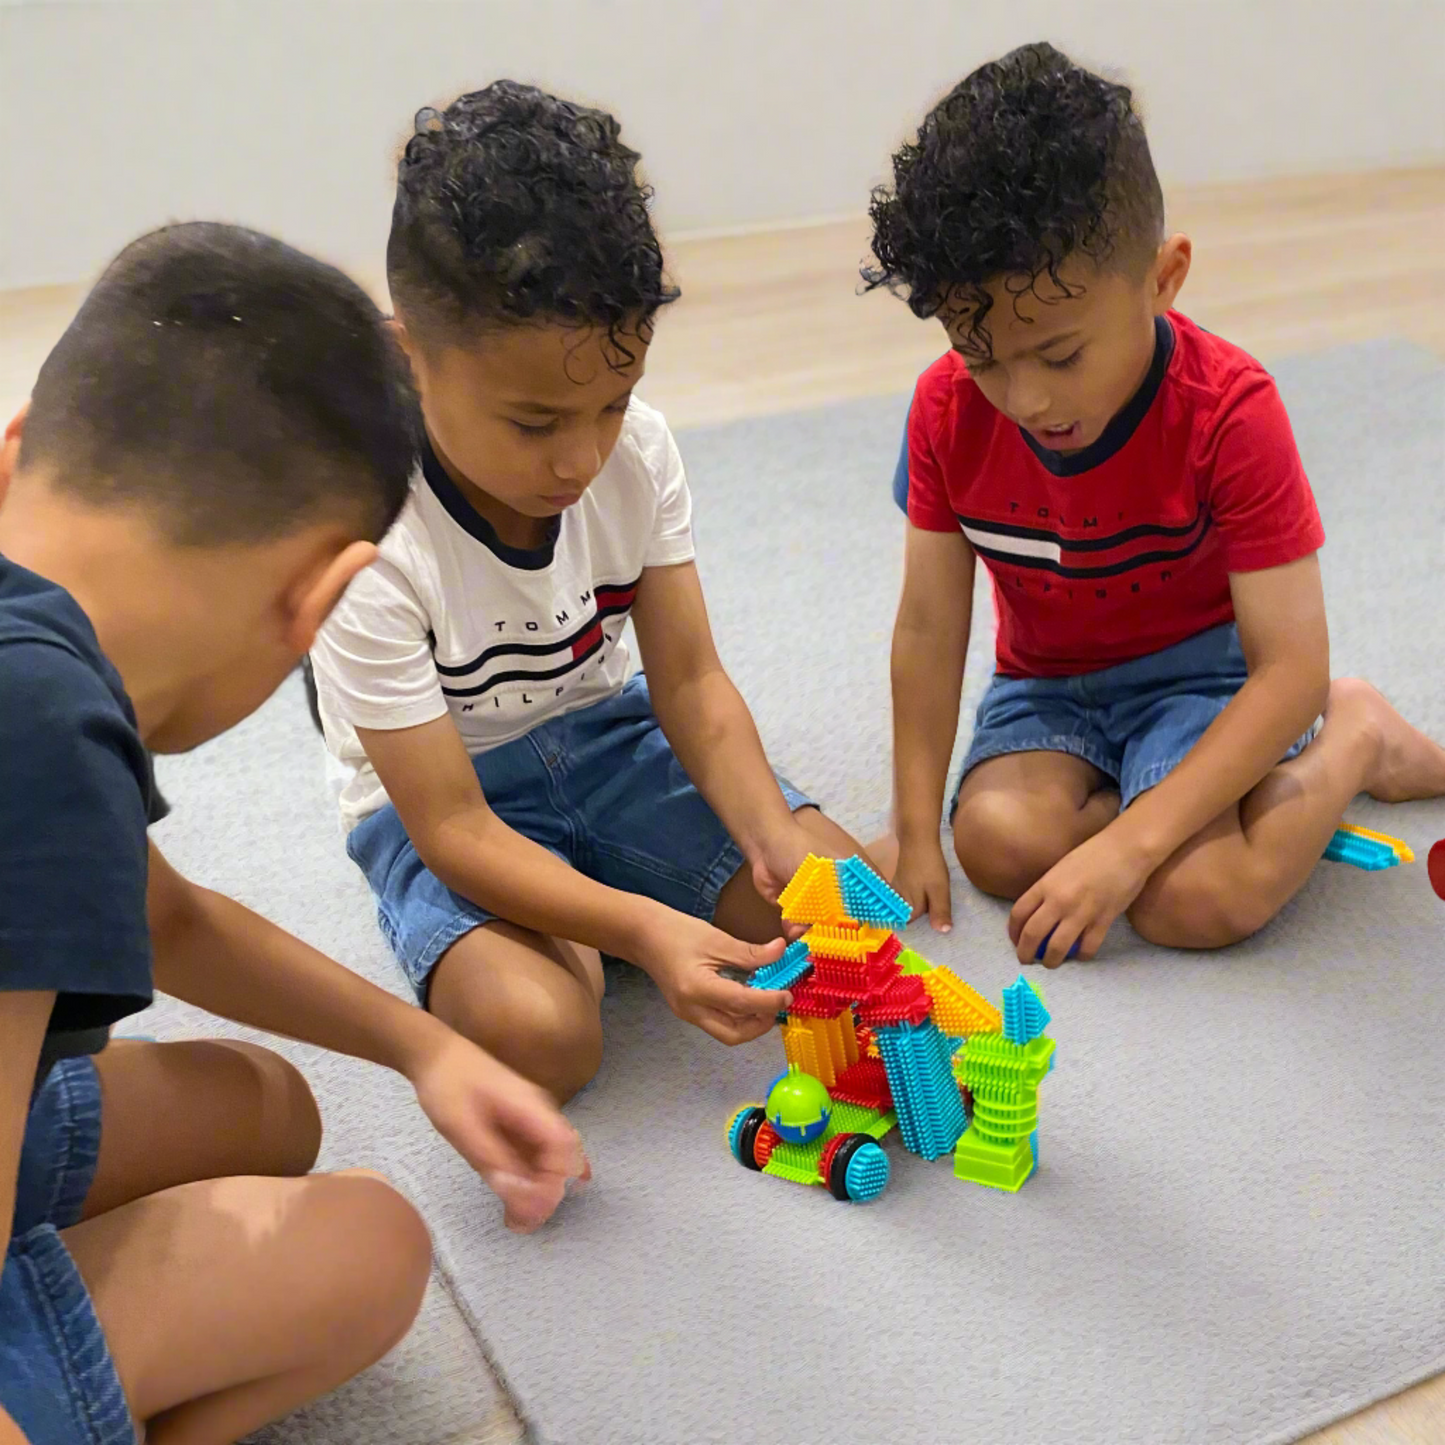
1134, 721
601, 789
57, 1378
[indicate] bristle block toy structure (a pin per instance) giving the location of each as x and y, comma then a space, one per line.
890, 1041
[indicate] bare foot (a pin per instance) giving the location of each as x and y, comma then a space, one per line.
1406, 763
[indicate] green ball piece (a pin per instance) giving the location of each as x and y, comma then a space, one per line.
798, 1106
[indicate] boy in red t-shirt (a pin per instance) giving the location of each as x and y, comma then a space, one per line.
1147, 744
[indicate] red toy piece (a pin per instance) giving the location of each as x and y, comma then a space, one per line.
825, 1159
887, 954
905, 1000
1436, 867
766, 1141
841, 973
815, 1000
865, 1083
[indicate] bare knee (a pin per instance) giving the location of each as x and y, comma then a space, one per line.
382, 1228
564, 1056
551, 1036
363, 1258
288, 1121
1192, 908
1005, 843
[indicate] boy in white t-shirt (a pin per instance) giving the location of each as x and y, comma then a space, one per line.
516, 803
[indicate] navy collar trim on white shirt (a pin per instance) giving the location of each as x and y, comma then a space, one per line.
471, 521
1124, 424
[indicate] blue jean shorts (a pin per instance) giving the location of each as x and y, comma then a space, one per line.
1134, 722
601, 789
57, 1378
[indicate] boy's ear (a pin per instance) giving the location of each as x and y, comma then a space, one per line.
1171, 266
319, 589
10, 450
402, 336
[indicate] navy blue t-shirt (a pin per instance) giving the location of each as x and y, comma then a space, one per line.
76, 795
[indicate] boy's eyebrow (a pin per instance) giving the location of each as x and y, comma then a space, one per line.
541, 408
538, 408
1054, 340
1069, 335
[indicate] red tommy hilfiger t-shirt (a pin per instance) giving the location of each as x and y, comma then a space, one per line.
1125, 547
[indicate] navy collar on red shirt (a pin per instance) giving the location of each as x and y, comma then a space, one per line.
1125, 423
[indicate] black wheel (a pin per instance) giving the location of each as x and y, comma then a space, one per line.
744, 1136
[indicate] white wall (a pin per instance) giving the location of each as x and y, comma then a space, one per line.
117, 115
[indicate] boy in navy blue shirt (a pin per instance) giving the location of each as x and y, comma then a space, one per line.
211, 453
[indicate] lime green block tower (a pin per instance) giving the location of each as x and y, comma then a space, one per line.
998, 1147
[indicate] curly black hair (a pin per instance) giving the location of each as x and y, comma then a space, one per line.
1027, 161
513, 207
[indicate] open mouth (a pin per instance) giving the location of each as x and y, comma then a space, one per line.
1057, 436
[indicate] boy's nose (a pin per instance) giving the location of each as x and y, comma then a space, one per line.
577, 464
1027, 403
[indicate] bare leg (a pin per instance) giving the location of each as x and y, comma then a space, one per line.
883, 853
743, 912
1230, 880
204, 1109
227, 1303
533, 1002
1020, 813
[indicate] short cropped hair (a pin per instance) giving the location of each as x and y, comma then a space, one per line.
1029, 160
234, 387
513, 208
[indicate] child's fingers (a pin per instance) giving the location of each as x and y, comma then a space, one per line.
1070, 939
548, 1142
1032, 930
729, 1029
1092, 940
940, 908
1020, 915
1061, 942
752, 956
527, 1204
738, 999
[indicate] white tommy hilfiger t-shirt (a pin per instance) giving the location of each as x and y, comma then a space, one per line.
450, 620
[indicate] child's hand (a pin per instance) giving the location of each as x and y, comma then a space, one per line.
773, 868
504, 1126
684, 955
1077, 900
922, 879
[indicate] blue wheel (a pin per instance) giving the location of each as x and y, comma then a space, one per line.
859, 1169
867, 1174
743, 1131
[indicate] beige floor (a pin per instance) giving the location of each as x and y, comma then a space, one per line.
771, 322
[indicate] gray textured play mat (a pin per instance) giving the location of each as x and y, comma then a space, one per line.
1236, 1232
